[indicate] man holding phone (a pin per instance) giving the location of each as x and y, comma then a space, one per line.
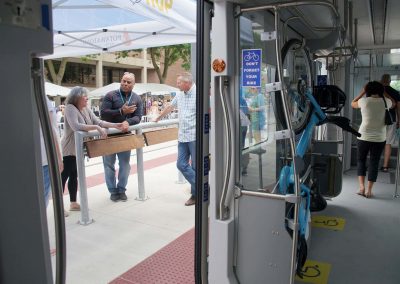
124, 106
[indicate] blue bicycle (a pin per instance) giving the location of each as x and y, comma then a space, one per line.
306, 114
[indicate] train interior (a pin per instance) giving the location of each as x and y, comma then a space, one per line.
276, 158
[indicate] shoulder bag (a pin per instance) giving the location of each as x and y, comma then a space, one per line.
388, 116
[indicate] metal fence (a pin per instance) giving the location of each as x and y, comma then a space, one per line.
80, 161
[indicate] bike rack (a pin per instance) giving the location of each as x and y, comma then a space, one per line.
275, 8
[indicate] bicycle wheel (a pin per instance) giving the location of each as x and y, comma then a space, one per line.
297, 79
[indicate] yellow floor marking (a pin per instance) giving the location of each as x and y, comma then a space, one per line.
315, 272
328, 222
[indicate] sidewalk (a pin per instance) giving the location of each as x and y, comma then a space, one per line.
125, 233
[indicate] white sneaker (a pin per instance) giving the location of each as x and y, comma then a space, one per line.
66, 214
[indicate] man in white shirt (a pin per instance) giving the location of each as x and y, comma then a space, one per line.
185, 101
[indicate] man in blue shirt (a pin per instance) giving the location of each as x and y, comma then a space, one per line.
124, 106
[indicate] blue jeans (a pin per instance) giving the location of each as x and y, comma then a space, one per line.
187, 152
47, 184
123, 172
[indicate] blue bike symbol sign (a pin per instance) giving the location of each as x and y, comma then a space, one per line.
251, 67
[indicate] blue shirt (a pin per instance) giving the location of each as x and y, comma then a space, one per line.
112, 103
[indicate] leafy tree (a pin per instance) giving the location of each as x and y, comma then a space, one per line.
170, 54
56, 77
164, 56
161, 57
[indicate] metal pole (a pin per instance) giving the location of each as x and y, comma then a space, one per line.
396, 195
80, 165
181, 178
292, 146
140, 171
55, 177
260, 175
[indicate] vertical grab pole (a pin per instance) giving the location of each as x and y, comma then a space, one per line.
396, 194
55, 177
225, 197
80, 166
292, 144
140, 170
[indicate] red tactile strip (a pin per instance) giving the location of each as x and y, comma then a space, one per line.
147, 165
173, 264
98, 179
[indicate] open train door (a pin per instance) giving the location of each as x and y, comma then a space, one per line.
254, 229
203, 50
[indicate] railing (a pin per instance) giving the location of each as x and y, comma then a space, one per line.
80, 162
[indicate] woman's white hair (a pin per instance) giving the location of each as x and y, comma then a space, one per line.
75, 95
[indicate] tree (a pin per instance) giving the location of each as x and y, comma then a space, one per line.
56, 78
170, 54
164, 56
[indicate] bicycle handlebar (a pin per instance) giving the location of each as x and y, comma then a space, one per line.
344, 123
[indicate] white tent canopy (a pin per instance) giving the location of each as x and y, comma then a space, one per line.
54, 90
139, 88
83, 27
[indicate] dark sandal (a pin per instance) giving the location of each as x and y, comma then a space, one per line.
361, 193
385, 169
368, 195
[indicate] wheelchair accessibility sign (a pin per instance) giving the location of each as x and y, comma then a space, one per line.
314, 272
251, 67
328, 222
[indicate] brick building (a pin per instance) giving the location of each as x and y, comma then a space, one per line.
96, 71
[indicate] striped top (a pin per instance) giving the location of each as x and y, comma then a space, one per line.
186, 104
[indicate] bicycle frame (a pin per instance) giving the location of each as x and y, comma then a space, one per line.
286, 181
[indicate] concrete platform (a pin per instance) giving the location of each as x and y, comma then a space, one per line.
125, 233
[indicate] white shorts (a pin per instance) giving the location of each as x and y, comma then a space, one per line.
391, 134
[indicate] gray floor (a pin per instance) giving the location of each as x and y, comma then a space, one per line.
368, 249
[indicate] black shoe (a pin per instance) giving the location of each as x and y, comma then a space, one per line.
244, 172
385, 169
115, 197
123, 197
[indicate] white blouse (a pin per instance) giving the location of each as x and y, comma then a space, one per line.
373, 128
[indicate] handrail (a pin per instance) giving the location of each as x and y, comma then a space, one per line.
263, 194
79, 135
227, 121
142, 125
278, 5
300, 15
292, 145
55, 177
396, 194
